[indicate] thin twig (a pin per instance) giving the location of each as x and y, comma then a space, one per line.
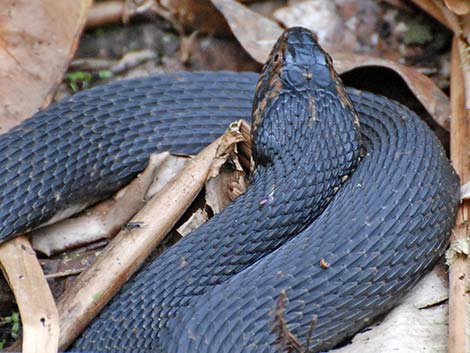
285, 340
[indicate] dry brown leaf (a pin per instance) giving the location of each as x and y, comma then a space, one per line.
431, 97
197, 219
323, 18
37, 40
38, 311
230, 180
197, 15
225, 187
225, 184
68, 264
255, 33
232, 137
265, 8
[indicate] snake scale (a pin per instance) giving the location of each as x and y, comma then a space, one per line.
380, 219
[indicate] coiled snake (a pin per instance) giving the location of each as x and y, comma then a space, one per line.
214, 291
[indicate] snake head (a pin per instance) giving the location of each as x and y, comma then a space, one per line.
300, 63
296, 64
298, 86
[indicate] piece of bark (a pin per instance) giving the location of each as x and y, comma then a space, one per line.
126, 252
459, 274
39, 315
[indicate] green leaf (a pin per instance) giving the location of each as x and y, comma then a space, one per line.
82, 76
105, 74
418, 34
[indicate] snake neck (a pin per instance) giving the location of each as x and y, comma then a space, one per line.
301, 128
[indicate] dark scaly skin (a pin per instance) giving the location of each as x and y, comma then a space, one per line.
285, 141
373, 257
183, 112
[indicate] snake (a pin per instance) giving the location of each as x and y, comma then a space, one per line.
351, 201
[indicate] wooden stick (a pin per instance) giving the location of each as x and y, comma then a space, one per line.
459, 315
38, 311
105, 13
126, 252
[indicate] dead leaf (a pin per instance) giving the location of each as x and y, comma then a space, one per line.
255, 33
323, 18
230, 180
37, 40
68, 264
431, 97
225, 187
197, 218
228, 146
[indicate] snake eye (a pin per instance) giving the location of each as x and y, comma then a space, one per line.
276, 58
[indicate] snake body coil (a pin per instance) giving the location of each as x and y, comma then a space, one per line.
214, 291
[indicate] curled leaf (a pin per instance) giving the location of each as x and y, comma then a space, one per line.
431, 97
